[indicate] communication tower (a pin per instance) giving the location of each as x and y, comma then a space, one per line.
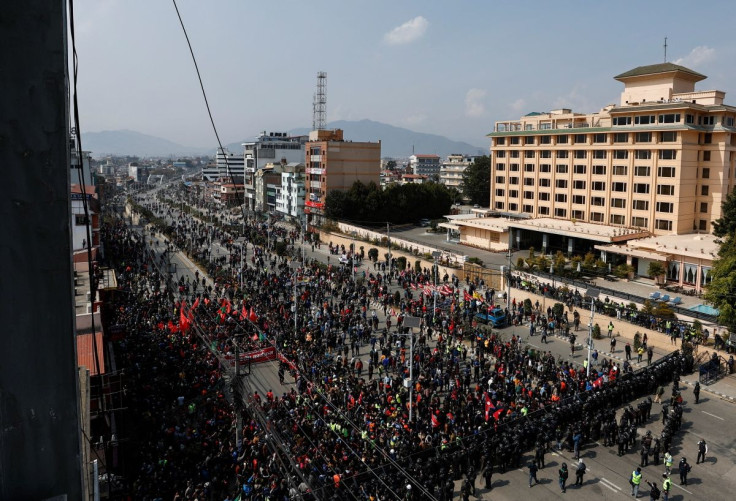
319, 105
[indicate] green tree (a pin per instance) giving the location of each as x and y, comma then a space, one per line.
726, 224
655, 270
722, 288
476, 184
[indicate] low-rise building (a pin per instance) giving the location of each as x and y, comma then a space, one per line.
452, 169
425, 165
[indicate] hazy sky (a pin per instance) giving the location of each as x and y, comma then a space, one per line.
444, 67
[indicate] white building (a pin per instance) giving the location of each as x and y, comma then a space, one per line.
452, 169
226, 165
134, 171
291, 194
425, 165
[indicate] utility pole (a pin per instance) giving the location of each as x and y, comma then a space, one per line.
388, 238
593, 293
508, 280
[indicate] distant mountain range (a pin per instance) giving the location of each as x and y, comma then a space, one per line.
396, 142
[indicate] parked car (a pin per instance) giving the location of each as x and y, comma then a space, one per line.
496, 317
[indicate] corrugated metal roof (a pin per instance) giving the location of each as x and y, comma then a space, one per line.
86, 353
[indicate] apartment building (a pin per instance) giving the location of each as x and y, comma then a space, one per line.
335, 164
290, 194
226, 165
660, 160
452, 169
425, 165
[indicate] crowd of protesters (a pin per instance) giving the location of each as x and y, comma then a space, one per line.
477, 400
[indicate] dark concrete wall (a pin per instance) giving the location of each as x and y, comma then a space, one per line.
39, 428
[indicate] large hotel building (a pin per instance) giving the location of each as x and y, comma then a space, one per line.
661, 160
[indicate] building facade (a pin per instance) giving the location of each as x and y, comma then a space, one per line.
226, 165
425, 165
662, 160
335, 164
290, 195
452, 169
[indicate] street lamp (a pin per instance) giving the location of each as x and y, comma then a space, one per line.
435, 255
353, 255
411, 323
593, 293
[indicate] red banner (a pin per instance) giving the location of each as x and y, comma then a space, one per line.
256, 356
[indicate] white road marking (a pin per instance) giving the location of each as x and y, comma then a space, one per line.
610, 484
680, 487
713, 415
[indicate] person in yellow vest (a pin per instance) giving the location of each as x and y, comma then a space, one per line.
668, 462
635, 482
666, 486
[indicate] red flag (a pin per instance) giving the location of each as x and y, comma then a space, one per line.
435, 421
173, 328
252, 315
466, 296
196, 303
243, 313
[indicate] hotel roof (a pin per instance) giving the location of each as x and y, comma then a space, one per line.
654, 69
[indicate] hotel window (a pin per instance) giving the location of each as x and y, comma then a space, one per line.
644, 119
529, 195
514, 168
544, 196
513, 207
618, 186
663, 224
579, 169
665, 189
666, 171
514, 180
690, 273
705, 276
562, 154
528, 167
578, 199
642, 171
580, 139
600, 154
527, 208
621, 137
704, 207
641, 188
500, 192
619, 170
708, 120
707, 138
529, 154
643, 137
580, 154
528, 181
499, 205
500, 166
578, 185
528, 139
621, 120
561, 183
514, 154
545, 182
560, 212
599, 138
598, 201
640, 204
599, 170
706, 156
618, 203
689, 119
667, 136
667, 154
673, 267
702, 225
620, 154
528, 127
561, 198
666, 207
640, 222
618, 219
561, 169
598, 186
670, 118
729, 121
643, 154
514, 140
500, 140
545, 154
596, 217
545, 139
513, 193
578, 214
545, 126
543, 211
562, 139
706, 173
704, 190
501, 154
545, 168
500, 180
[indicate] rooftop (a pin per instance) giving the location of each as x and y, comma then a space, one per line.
695, 245
653, 69
589, 231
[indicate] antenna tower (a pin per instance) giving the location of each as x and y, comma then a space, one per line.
319, 105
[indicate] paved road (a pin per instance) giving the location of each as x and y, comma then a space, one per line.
608, 474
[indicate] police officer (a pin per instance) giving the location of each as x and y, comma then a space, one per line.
696, 391
684, 470
702, 449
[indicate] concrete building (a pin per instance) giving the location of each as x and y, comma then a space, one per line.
80, 221
661, 160
425, 165
290, 194
229, 193
451, 170
269, 148
335, 164
226, 164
